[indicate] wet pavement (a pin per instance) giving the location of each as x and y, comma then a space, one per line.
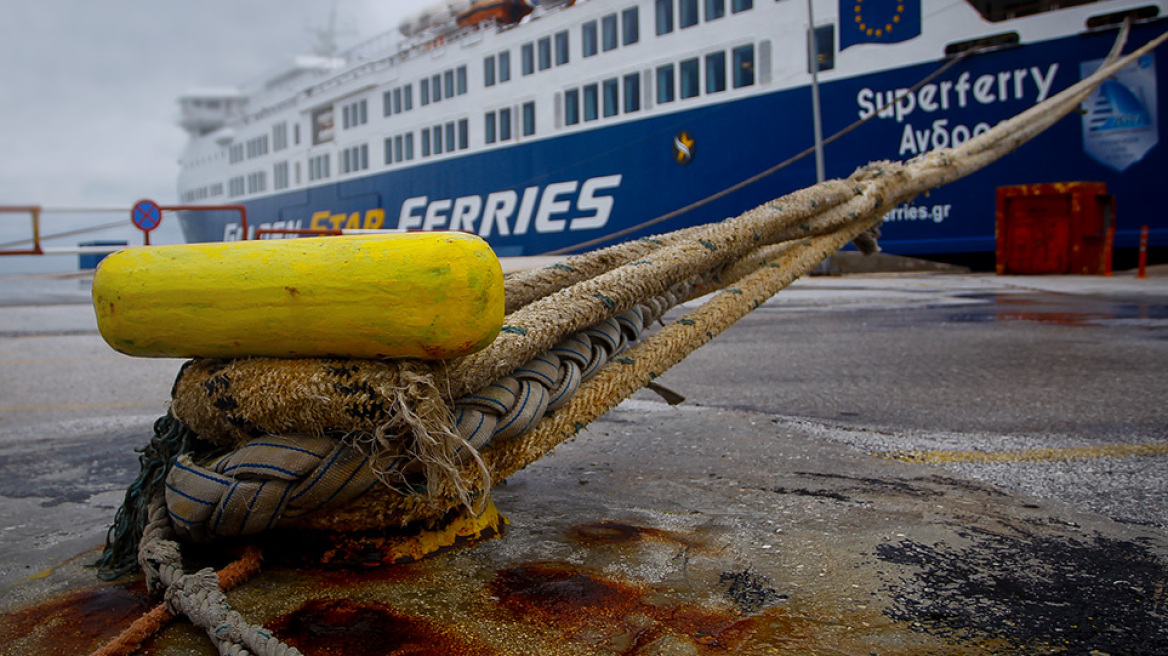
889, 464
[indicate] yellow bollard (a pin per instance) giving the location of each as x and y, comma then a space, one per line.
424, 295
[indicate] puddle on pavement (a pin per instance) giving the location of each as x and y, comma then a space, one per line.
1046, 309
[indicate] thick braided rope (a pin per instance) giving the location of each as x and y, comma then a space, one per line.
249, 489
271, 479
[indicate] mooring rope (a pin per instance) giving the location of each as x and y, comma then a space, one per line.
302, 435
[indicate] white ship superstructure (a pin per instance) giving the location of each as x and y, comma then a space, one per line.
543, 127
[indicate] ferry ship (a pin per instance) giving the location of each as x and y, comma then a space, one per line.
555, 127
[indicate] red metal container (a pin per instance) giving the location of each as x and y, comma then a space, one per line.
1053, 228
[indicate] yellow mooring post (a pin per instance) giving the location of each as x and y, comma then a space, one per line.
419, 295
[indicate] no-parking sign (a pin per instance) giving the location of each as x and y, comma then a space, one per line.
146, 215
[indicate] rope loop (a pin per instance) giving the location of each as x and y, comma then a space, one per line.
248, 490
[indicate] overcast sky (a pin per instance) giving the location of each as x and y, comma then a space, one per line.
88, 104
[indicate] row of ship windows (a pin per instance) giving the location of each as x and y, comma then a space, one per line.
686, 12
682, 80
603, 35
201, 193
449, 137
258, 146
448, 84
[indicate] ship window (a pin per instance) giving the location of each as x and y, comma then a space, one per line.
545, 53
235, 186
1118, 17
436, 88
690, 86
460, 77
408, 99
611, 97
665, 83
825, 42
571, 107
280, 136
409, 146
687, 13
992, 42
588, 38
389, 150
296, 134
425, 143
608, 32
715, 72
528, 119
630, 26
591, 102
504, 66
489, 71
387, 103
397, 100
743, 59
715, 9
256, 182
1000, 10
505, 124
632, 92
280, 175
741, 5
527, 58
561, 48
344, 124
450, 136
318, 167
448, 81
437, 139
664, 16
235, 153
489, 128
463, 134
424, 91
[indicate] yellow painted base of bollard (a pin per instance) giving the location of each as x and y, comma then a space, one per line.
366, 549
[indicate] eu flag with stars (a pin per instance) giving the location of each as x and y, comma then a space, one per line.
878, 21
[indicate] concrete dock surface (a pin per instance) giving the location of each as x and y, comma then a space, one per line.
912, 463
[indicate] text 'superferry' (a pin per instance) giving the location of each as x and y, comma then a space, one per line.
545, 126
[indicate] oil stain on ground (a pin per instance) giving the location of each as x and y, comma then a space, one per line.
1042, 594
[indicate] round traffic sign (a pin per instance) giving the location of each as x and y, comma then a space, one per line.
146, 215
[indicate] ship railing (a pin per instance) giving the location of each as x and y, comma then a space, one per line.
353, 55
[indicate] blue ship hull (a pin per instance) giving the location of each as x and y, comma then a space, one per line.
532, 198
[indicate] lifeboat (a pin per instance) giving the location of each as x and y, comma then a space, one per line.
503, 12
